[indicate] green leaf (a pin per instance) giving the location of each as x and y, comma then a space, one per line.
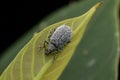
32, 63
97, 56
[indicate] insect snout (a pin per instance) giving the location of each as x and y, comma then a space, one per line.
47, 52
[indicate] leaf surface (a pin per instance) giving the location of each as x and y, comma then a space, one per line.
32, 63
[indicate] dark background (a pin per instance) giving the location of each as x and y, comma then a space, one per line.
18, 17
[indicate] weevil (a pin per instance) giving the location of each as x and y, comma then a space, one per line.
58, 39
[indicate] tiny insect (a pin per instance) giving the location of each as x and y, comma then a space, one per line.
56, 41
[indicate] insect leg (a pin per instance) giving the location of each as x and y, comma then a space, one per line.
69, 41
45, 42
54, 56
50, 33
44, 45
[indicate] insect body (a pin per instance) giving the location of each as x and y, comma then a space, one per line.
60, 37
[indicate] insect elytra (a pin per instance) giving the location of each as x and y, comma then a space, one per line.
58, 39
